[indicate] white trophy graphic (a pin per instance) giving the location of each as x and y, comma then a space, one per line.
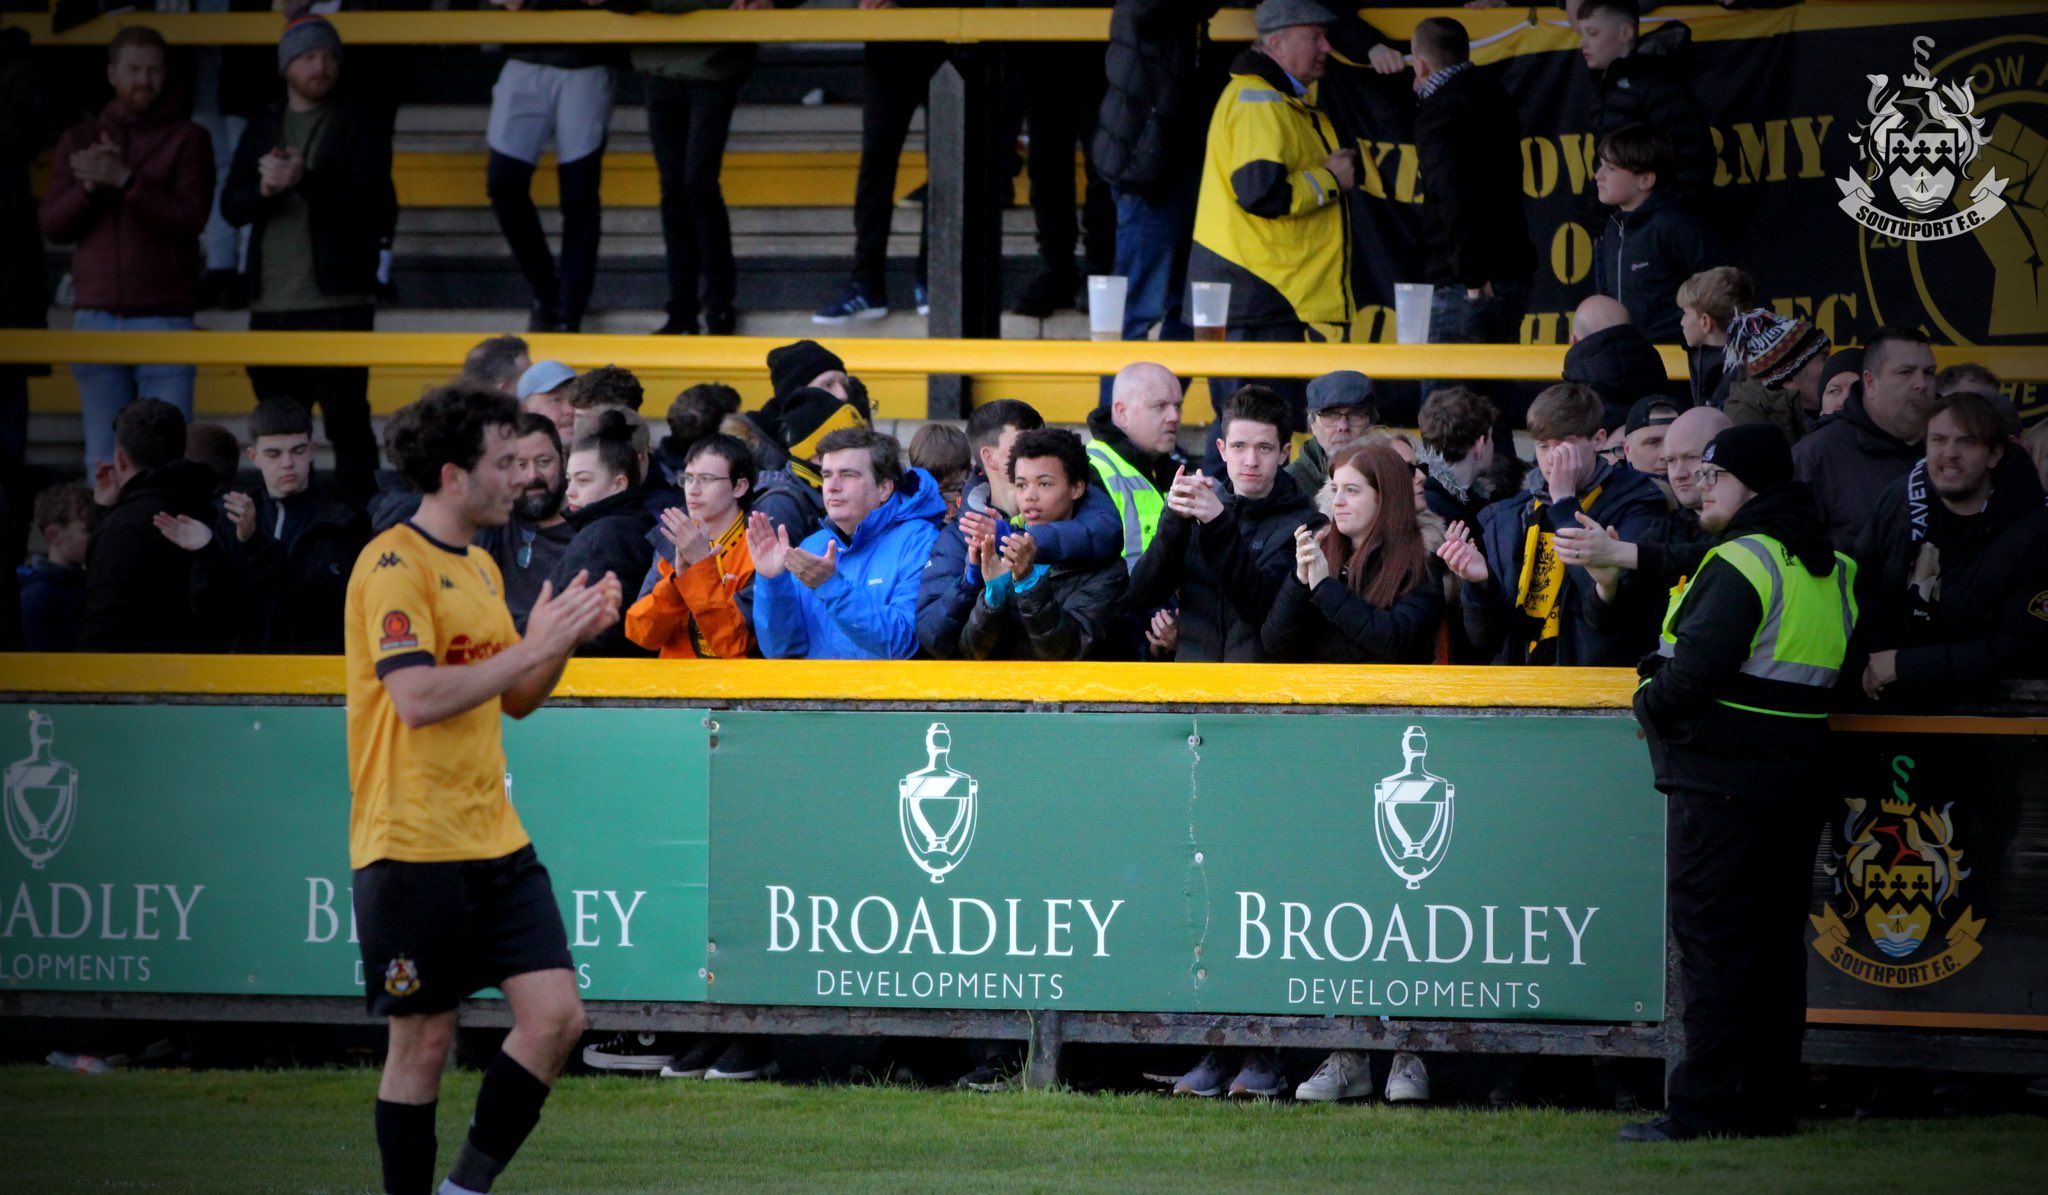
936, 806
1412, 813
41, 795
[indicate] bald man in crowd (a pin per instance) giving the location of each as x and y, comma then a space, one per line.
1613, 356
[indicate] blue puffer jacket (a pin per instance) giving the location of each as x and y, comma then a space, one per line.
867, 610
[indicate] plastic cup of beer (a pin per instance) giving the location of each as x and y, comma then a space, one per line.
1106, 306
1209, 309
1411, 312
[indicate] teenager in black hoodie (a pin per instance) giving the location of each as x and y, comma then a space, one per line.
604, 505
1734, 708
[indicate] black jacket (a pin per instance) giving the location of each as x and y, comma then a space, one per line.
1990, 619
1071, 614
292, 591
1642, 258
611, 537
142, 592
1700, 747
1226, 572
1653, 86
1332, 625
1622, 365
1848, 461
1709, 375
1162, 84
1468, 140
347, 189
1628, 502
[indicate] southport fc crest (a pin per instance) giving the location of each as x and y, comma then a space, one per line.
1897, 917
1918, 143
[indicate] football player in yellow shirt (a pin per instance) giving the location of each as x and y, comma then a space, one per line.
449, 897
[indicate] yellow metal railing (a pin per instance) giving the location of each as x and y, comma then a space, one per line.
747, 354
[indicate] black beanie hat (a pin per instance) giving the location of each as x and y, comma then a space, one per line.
1756, 453
794, 365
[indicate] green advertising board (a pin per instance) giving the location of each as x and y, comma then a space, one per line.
1436, 866
1432, 866
204, 849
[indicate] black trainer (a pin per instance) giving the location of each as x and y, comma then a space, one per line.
693, 1062
745, 1058
629, 1052
1047, 292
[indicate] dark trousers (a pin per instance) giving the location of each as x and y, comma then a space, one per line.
1063, 93
566, 297
688, 122
895, 80
1455, 319
341, 393
1741, 874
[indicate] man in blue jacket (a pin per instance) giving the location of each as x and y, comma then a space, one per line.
849, 590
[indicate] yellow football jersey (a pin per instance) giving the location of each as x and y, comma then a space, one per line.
436, 793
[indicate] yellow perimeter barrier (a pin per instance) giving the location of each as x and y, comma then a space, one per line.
1496, 33
1056, 376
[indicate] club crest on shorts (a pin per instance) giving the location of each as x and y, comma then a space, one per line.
1919, 142
401, 976
935, 808
1897, 917
1412, 812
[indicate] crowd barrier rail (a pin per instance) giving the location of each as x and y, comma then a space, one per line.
1433, 859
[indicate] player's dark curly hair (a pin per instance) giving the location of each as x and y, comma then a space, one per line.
446, 426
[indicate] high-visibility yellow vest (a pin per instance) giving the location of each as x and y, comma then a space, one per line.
1138, 501
1804, 633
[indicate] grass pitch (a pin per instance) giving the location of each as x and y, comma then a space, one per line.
309, 1131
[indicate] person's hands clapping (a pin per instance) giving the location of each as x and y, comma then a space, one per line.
1462, 556
768, 545
686, 535
1193, 496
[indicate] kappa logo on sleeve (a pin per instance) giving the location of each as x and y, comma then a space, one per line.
389, 560
397, 632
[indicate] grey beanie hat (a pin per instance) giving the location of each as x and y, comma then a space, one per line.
303, 36
1279, 14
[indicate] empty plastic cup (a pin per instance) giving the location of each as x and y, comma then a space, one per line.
1106, 306
1411, 312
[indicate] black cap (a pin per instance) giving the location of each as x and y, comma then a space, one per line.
1756, 453
1651, 411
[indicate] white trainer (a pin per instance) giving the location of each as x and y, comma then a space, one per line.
1344, 1075
1407, 1080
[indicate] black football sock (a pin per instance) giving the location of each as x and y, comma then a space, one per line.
405, 1140
507, 1107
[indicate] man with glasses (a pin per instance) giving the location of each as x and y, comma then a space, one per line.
700, 593
1341, 412
1734, 707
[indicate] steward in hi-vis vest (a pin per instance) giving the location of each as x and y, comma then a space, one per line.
1734, 707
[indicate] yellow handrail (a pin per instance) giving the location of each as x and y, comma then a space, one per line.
682, 681
747, 354
955, 25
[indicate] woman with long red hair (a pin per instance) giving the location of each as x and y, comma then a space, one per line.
1362, 592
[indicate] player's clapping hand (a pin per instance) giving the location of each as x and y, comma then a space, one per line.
556, 622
